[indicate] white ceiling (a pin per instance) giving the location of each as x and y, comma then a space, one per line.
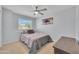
28, 9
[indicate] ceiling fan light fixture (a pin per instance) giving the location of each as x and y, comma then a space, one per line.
36, 12
39, 11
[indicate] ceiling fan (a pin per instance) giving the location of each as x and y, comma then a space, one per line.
39, 11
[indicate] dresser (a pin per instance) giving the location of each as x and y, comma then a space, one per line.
66, 45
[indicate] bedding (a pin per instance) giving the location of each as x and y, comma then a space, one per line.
35, 40
30, 31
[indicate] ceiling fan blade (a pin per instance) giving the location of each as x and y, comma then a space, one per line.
37, 11
43, 9
41, 13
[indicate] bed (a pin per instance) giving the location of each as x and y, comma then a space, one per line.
35, 41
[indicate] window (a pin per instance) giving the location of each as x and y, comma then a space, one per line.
25, 23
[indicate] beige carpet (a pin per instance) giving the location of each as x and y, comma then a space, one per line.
20, 48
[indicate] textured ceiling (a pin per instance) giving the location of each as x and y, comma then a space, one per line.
28, 9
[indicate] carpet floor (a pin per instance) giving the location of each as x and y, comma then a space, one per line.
20, 48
